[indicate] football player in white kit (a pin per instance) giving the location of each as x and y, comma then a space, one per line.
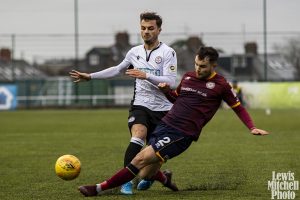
150, 63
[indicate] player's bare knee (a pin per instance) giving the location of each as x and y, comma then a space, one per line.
139, 131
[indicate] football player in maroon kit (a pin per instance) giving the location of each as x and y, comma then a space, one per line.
196, 100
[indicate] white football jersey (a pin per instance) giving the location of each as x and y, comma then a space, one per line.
160, 64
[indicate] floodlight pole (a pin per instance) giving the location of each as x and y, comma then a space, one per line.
12, 58
265, 42
76, 41
76, 32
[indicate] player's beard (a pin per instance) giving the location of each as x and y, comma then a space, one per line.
203, 75
150, 41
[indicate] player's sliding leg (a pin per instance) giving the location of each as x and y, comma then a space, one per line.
148, 173
144, 158
152, 173
137, 142
123, 176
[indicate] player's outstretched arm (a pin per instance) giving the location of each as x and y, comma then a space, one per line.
256, 131
79, 76
246, 119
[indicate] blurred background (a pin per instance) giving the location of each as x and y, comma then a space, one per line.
41, 41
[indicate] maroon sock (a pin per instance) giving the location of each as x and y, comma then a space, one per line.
123, 176
159, 176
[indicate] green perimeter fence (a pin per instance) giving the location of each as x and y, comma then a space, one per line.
62, 92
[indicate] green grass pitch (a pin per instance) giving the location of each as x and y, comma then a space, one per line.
226, 163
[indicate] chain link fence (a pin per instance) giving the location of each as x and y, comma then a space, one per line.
38, 48
45, 91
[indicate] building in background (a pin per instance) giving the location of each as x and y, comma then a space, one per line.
250, 66
47, 83
99, 58
17, 69
186, 51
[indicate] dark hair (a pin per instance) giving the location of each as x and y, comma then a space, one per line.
151, 16
209, 52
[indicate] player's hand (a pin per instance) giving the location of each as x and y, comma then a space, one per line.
257, 131
135, 73
79, 76
164, 87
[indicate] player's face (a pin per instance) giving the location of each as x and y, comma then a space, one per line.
149, 31
203, 68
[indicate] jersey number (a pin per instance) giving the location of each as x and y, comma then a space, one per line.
164, 141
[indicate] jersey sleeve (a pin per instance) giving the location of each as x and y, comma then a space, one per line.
229, 96
244, 116
169, 70
113, 71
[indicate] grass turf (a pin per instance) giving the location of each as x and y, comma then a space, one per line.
226, 163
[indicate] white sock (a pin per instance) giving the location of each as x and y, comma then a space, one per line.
98, 188
137, 141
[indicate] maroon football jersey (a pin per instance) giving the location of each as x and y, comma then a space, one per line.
197, 101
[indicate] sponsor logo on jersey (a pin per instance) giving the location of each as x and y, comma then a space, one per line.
158, 59
172, 69
210, 85
194, 90
187, 78
155, 72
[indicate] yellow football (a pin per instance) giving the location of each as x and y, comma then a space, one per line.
67, 167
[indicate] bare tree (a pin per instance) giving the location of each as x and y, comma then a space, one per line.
291, 51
